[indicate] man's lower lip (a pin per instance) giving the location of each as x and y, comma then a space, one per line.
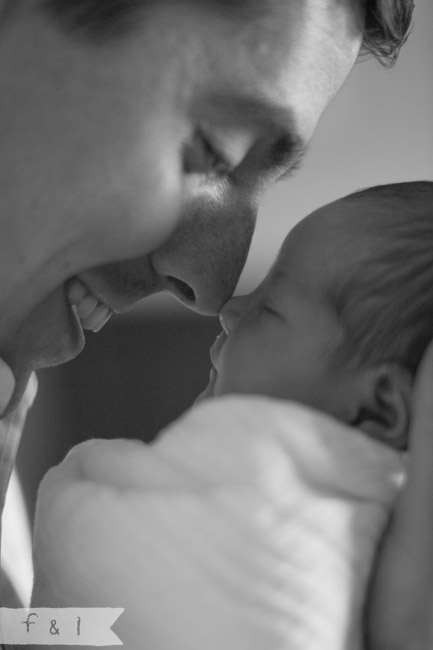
79, 326
69, 346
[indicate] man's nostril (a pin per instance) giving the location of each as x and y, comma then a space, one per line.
182, 289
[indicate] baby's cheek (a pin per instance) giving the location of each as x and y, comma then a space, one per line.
233, 380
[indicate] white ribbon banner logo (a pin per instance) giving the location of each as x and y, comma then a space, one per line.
59, 626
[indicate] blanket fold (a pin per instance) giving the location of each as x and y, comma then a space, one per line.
251, 523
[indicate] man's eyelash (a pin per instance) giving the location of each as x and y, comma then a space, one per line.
219, 165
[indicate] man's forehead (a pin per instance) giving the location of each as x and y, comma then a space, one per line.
294, 54
246, 9
279, 69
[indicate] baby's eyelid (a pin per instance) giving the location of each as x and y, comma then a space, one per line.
270, 309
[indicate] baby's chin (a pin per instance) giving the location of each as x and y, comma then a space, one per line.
209, 391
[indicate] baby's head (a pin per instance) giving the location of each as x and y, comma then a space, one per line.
341, 321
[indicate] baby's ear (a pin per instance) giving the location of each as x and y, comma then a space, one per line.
384, 413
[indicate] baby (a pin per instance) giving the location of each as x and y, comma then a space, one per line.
252, 522
342, 319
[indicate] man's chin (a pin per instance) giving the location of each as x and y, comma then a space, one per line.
62, 354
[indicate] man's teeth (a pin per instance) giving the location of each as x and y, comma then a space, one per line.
97, 318
93, 314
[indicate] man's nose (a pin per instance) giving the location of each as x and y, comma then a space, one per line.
203, 259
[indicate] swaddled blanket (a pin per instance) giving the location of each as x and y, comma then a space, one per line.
250, 523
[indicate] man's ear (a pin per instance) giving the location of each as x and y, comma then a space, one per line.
384, 409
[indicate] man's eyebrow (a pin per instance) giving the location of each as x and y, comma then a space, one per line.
288, 147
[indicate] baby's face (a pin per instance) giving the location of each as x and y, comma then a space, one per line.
280, 340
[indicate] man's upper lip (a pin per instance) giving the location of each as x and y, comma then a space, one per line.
217, 346
117, 304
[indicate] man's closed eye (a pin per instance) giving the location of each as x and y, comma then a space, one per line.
201, 157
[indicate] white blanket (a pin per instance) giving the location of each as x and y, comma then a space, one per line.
250, 524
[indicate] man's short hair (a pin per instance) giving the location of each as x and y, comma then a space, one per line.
387, 22
385, 301
387, 26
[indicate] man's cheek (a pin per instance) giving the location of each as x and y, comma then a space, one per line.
129, 222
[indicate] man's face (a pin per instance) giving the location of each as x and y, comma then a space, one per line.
135, 164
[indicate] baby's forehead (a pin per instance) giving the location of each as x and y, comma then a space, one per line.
344, 223
327, 244
305, 258
340, 241
321, 229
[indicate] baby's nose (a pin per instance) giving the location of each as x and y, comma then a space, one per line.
231, 313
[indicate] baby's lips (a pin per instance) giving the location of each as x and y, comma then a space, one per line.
217, 347
7, 385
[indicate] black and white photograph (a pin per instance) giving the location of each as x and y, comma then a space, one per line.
216, 330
